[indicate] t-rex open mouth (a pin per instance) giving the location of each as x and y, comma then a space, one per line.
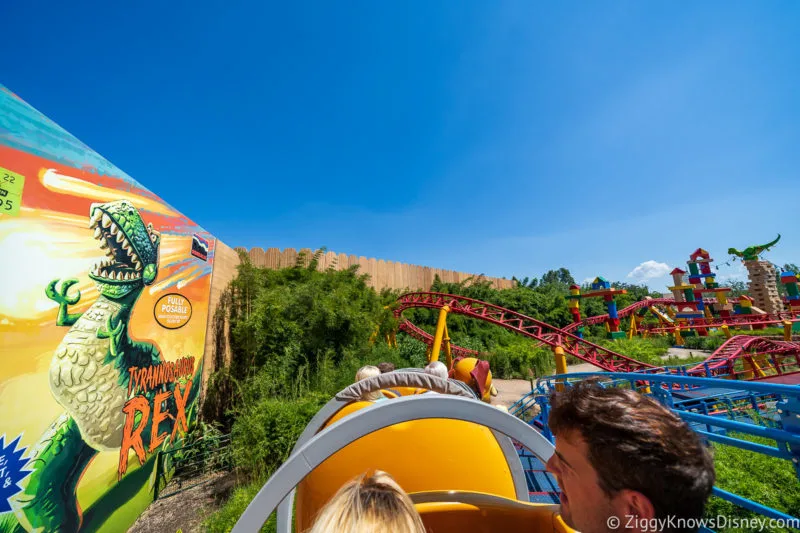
122, 263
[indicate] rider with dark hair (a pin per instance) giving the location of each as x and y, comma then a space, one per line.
624, 462
386, 367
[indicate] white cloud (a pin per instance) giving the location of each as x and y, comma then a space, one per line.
649, 270
739, 274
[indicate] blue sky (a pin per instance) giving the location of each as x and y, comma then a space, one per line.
504, 138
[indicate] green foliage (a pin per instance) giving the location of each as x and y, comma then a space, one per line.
766, 332
714, 341
226, 517
710, 343
296, 336
521, 360
287, 325
266, 428
649, 350
767, 480
738, 288
684, 361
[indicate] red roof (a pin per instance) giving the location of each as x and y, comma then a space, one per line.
678, 271
699, 253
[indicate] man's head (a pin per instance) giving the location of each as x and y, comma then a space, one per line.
621, 454
386, 367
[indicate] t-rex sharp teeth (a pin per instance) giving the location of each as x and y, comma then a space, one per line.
134, 257
95, 217
114, 229
120, 237
104, 244
97, 233
106, 220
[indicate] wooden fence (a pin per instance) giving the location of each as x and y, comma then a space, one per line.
382, 274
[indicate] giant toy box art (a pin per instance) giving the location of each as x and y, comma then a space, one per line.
103, 311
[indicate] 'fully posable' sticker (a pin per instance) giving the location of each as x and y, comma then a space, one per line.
11, 185
173, 311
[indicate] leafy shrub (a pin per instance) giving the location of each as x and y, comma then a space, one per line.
414, 351
518, 360
226, 517
767, 480
649, 350
710, 343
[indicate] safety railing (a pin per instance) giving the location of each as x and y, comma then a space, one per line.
191, 465
746, 366
716, 409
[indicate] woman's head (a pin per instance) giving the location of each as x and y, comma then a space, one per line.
374, 504
365, 372
368, 371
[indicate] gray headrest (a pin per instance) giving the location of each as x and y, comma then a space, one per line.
403, 378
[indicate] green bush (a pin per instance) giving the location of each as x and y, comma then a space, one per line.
649, 350
767, 480
520, 360
226, 517
266, 430
710, 343
412, 350
766, 332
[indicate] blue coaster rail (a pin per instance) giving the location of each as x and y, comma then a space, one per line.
712, 407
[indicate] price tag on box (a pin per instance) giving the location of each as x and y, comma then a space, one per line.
11, 185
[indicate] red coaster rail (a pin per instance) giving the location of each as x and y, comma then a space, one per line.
721, 362
521, 324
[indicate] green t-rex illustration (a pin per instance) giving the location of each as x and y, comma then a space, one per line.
751, 253
89, 373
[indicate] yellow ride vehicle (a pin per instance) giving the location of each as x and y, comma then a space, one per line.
451, 452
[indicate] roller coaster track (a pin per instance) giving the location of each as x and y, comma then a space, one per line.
721, 362
641, 304
732, 321
427, 338
518, 323
622, 313
739, 346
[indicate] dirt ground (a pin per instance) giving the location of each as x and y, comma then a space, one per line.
186, 510
511, 390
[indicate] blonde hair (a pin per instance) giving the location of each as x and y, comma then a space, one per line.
365, 372
376, 504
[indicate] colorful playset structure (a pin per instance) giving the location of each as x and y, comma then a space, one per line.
699, 304
601, 288
792, 301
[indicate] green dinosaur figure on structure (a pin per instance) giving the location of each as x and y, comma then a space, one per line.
751, 253
89, 373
